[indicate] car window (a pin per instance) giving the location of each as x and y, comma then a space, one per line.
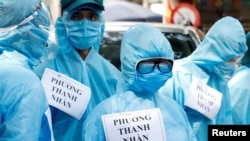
182, 44
110, 47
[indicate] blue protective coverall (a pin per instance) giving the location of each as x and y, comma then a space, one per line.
23, 103
140, 42
224, 40
95, 71
240, 90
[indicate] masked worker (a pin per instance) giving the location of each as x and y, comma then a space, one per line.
79, 32
24, 110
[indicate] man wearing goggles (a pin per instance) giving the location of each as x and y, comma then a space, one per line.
152, 73
146, 64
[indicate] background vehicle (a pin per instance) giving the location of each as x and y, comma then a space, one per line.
184, 39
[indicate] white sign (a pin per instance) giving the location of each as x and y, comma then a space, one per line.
65, 93
203, 99
146, 125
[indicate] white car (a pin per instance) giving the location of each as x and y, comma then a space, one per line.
184, 39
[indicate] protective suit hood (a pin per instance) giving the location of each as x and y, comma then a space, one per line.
14, 11
218, 47
134, 49
26, 31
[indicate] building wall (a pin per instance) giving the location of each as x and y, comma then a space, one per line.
210, 10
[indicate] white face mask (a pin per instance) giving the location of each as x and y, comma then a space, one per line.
84, 34
228, 68
238, 59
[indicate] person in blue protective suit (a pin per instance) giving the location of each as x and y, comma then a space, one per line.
198, 83
79, 32
146, 64
240, 91
24, 110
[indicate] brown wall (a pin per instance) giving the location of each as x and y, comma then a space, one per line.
211, 10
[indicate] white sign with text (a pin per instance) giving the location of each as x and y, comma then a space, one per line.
132, 126
203, 99
65, 93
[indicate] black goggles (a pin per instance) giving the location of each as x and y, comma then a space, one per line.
148, 65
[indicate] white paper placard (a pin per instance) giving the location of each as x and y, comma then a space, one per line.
134, 126
203, 99
65, 93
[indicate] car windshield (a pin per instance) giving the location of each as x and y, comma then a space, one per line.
182, 45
